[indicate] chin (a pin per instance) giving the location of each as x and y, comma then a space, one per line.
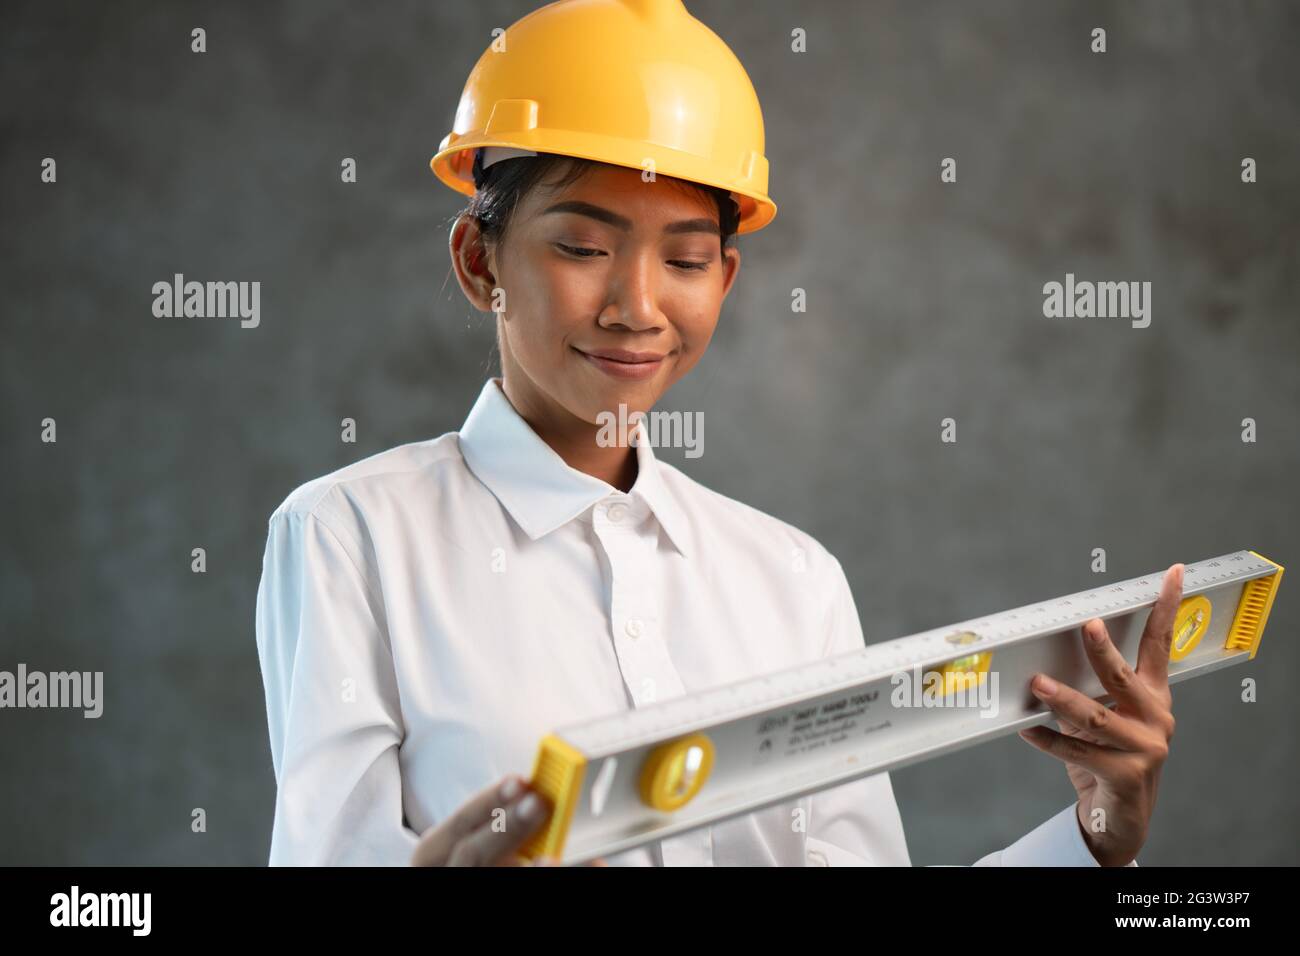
636, 399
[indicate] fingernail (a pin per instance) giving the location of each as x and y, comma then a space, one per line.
510, 789
530, 806
1044, 685
1094, 634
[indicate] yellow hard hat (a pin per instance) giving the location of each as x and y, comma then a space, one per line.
637, 83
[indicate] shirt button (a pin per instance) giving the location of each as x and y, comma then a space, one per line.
617, 512
633, 627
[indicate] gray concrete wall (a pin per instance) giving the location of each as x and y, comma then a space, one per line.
924, 301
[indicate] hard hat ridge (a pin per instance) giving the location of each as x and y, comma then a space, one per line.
636, 83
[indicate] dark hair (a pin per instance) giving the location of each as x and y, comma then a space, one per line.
503, 185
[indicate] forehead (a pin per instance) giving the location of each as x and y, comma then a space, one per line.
622, 190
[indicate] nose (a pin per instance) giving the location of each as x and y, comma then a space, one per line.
633, 300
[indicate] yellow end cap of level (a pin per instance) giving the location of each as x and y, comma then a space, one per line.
557, 775
1252, 611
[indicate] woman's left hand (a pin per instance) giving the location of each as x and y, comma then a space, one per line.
1114, 756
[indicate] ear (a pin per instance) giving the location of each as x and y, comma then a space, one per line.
473, 264
730, 269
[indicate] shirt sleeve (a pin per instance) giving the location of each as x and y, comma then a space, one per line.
1056, 842
331, 702
856, 823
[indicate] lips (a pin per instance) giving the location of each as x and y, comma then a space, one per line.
623, 355
621, 363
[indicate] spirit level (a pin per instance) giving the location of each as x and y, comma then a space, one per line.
643, 775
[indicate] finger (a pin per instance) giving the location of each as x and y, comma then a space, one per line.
492, 845
1153, 649
1103, 762
436, 845
1088, 715
1115, 674
1070, 730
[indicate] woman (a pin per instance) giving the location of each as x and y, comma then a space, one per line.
427, 614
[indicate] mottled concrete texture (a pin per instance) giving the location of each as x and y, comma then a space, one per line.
924, 301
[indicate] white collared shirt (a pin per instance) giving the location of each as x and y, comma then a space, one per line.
426, 615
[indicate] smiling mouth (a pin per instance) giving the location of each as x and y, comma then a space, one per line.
625, 365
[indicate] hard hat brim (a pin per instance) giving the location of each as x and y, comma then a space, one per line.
453, 162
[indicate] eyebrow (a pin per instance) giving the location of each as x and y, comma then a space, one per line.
622, 222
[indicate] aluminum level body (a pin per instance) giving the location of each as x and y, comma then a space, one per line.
778, 737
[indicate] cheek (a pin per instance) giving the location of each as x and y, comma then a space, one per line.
696, 325
541, 307
566, 298
694, 334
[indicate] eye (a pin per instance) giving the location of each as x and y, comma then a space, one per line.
579, 252
688, 265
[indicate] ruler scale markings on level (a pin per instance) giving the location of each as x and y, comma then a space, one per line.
932, 652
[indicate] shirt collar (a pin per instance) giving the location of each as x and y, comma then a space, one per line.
539, 489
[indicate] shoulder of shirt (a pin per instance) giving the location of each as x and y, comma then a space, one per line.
433, 454
741, 523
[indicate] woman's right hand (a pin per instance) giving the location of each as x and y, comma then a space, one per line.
468, 838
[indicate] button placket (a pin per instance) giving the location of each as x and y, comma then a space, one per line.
648, 672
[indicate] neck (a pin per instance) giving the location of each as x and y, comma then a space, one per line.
573, 439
